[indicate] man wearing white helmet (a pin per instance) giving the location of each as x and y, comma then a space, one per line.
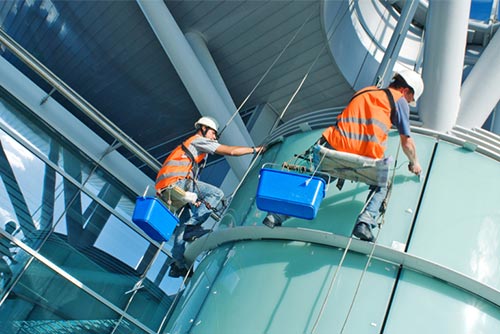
374, 111
362, 128
181, 169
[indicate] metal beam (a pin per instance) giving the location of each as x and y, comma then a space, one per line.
78, 101
384, 72
195, 77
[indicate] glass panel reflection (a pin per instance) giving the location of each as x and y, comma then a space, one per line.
98, 249
14, 118
11, 260
44, 302
152, 300
118, 197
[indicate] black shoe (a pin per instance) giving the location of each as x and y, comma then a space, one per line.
176, 271
272, 221
193, 232
363, 232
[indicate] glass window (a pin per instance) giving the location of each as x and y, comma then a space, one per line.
11, 261
105, 187
24, 178
90, 242
44, 302
13, 119
72, 215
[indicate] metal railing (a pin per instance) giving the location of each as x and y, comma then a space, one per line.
78, 101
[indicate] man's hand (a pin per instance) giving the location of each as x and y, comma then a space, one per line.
415, 168
260, 149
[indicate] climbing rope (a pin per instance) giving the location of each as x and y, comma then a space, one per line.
334, 278
346, 250
256, 157
267, 71
330, 33
382, 221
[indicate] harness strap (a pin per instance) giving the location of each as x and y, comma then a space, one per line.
387, 92
195, 165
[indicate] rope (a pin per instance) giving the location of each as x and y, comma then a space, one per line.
359, 282
382, 219
330, 287
138, 285
267, 72
330, 33
254, 160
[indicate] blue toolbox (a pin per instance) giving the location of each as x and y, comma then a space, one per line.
153, 217
290, 193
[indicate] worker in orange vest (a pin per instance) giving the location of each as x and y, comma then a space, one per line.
181, 169
362, 128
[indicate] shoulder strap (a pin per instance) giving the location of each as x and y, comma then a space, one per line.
362, 92
389, 96
193, 161
391, 100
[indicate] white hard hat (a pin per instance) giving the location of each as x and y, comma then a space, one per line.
207, 121
414, 80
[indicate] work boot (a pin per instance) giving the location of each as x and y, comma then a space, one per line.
272, 220
193, 232
176, 271
363, 232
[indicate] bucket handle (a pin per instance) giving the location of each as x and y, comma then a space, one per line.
280, 167
145, 191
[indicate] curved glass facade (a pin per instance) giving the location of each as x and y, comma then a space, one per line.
440, 230
72, 261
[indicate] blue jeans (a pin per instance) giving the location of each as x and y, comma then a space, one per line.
373, 202
198, 215
372, 210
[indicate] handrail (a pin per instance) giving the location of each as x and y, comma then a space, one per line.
78, 101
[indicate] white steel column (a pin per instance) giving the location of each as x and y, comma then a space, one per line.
386, 67
444, 52
195, 78
480, 93
199, 46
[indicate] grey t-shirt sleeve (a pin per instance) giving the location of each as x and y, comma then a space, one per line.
205, 145
401, 118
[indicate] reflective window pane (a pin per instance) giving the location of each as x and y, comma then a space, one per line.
14, 119
44, 302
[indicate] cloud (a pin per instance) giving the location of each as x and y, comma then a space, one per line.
17, 155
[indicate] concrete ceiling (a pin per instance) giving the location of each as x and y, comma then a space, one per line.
107, 52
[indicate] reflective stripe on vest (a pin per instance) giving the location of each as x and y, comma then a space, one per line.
177, 166
363, 125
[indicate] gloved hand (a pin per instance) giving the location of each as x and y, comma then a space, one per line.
190, 197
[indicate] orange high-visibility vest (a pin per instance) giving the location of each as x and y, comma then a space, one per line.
363, 125
178, 165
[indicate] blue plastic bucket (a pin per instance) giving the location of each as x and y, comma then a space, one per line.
153, 217
289, 193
